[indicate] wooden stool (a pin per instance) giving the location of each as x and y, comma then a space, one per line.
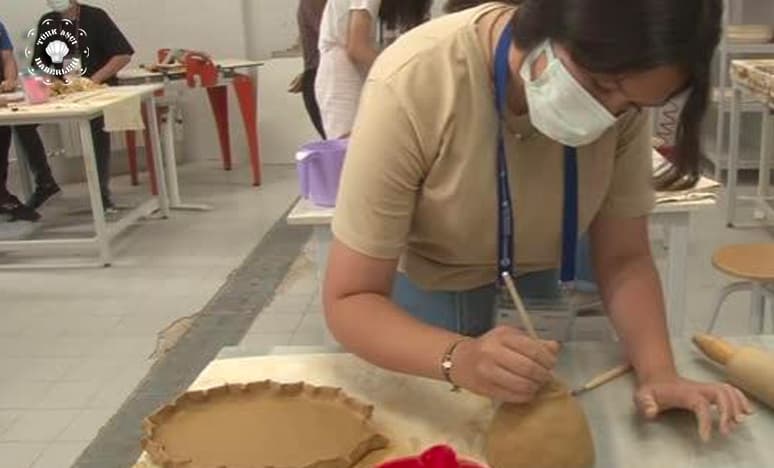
754, 265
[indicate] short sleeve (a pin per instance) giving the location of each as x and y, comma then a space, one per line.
383, 173
373, 6
631, 194
5, 39
112, 39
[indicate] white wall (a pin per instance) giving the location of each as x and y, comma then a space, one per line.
215, 26
757, 11
270, 25
284, 123
19, 17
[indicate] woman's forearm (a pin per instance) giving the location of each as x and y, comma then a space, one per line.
111, 69
632, 292
377, 330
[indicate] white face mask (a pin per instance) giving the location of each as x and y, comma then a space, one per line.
59, 6
559, 106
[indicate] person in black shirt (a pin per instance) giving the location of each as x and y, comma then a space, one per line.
102, 50
45, 185
309, 15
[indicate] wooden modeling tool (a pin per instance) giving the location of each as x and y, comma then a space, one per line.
750, 369
527, 322
516, 298
602, 379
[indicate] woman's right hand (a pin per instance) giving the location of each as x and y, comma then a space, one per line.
8, 86
297, 85
505, 364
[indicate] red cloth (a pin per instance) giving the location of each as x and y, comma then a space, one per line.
437, 457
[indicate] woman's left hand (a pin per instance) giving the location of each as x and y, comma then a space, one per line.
657, 396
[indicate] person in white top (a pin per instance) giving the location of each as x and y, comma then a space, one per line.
348, 47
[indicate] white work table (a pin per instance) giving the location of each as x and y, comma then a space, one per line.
174, 84
675, 217
747, 78
82, 108
417, 413
142, 75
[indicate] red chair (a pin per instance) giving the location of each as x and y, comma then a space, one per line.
201, 71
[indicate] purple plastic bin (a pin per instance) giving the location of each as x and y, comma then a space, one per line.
319, 170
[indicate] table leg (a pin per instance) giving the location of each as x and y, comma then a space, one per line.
733, 155
720, 128
757, 309
92, 180
149, 152
131, 148
248, 103
170, 167
153, 127
25, 172
764, 167
170, 161
677, 272
323, 237
771, 313
218, 96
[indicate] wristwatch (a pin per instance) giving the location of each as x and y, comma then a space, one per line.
447, 364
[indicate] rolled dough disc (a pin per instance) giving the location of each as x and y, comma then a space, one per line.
551, 432
262, 424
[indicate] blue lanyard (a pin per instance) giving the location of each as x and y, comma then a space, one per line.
506, 223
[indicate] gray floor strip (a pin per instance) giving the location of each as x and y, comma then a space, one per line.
223, 322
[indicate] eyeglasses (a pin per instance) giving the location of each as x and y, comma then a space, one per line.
607, 88
607, 85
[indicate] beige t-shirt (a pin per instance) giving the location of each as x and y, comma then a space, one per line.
419, 181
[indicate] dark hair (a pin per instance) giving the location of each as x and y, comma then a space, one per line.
404, 14
616, 36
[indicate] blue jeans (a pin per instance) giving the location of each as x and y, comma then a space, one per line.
472, 313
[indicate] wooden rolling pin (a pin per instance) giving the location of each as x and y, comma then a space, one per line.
750, 369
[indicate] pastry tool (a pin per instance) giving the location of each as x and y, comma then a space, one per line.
516, 298
527, 322
602, 379
751, 369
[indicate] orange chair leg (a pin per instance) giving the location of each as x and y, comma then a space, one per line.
131, 149
219, 102
246, 94
149, 154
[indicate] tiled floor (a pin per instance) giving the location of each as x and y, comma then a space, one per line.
74, 343
295, 315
